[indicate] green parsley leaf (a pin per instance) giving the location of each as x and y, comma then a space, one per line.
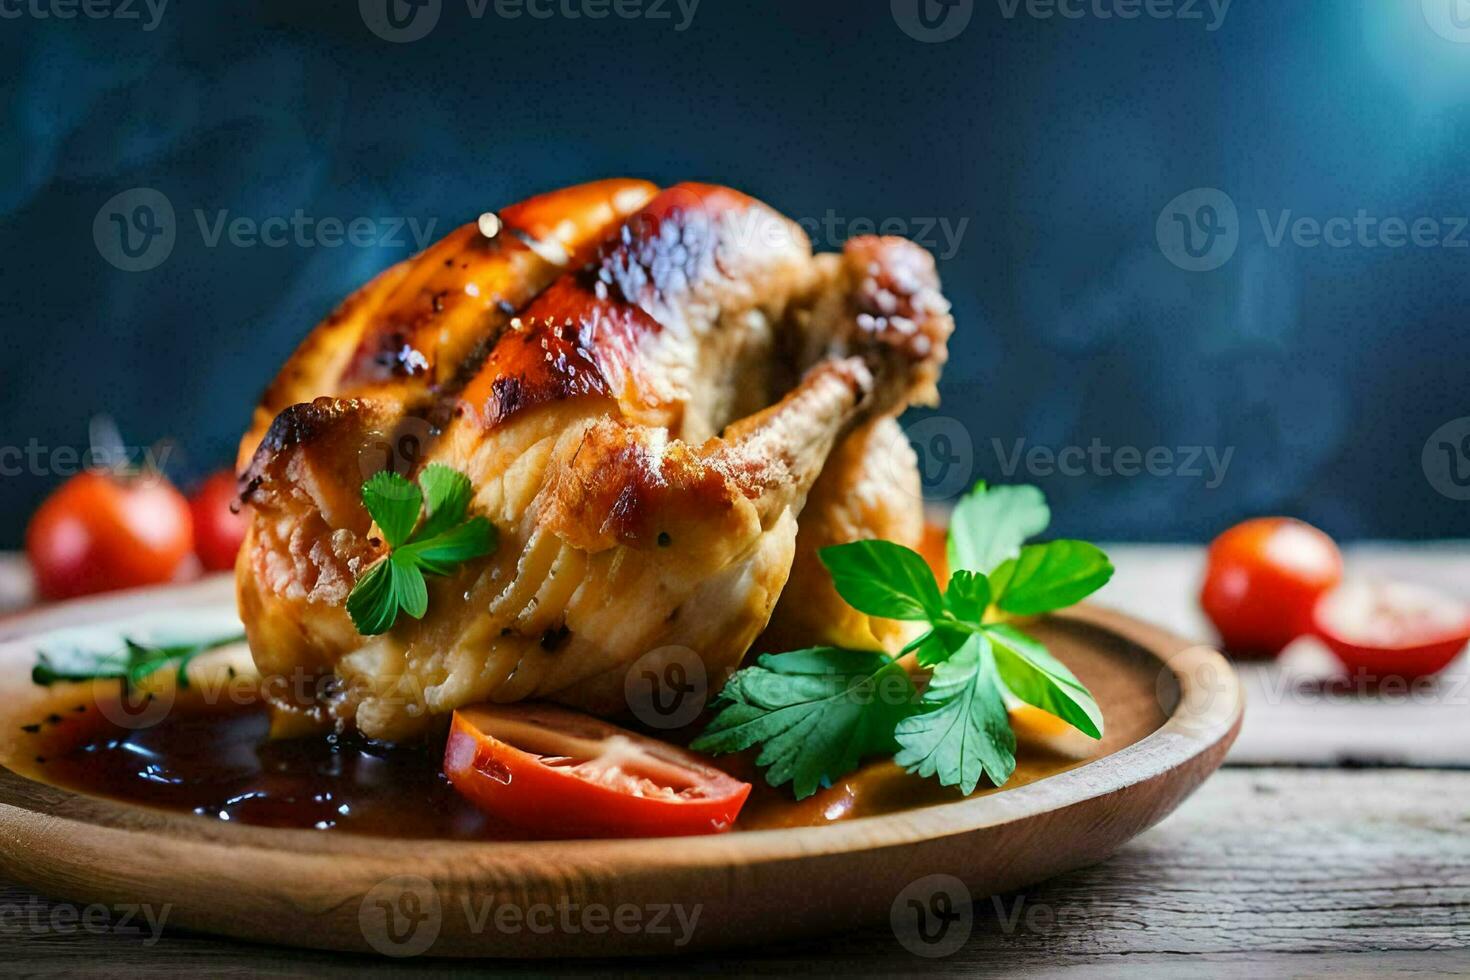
372, 604
447, 494
410, 591
130, 663
438, 555
394, 503
816, 714
442, 542
1051, 576
990, 524
1036, 677
881, 578
962, 731
967, 596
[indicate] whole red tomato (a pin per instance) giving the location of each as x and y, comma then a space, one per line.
218, 530
102, 531
1263, 578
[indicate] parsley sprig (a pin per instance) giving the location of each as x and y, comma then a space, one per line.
438, 544
131, 662
818, 713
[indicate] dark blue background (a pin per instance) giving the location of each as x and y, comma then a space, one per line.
1060, 141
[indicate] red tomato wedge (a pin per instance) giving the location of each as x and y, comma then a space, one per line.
565, 774
1392, 629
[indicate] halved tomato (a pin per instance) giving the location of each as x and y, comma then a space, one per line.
1392, 629
565, 774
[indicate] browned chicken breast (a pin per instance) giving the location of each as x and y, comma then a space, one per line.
616, 434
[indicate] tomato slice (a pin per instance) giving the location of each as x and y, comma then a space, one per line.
1392, 629
564, 774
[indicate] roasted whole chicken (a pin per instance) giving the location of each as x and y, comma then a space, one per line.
665, 402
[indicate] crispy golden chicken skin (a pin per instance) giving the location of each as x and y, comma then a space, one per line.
632, 430
410, 332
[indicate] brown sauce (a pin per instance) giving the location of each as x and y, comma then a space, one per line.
220, 763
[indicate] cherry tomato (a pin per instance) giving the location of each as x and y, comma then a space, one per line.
565, 774
1263, 578
1392, 629
103, 531
218, 531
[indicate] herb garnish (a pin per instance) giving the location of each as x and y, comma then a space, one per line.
131, 664
817, 713
441, 542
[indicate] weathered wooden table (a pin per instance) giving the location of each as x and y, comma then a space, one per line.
1336, 842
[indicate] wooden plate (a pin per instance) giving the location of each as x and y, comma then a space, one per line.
1171, 711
